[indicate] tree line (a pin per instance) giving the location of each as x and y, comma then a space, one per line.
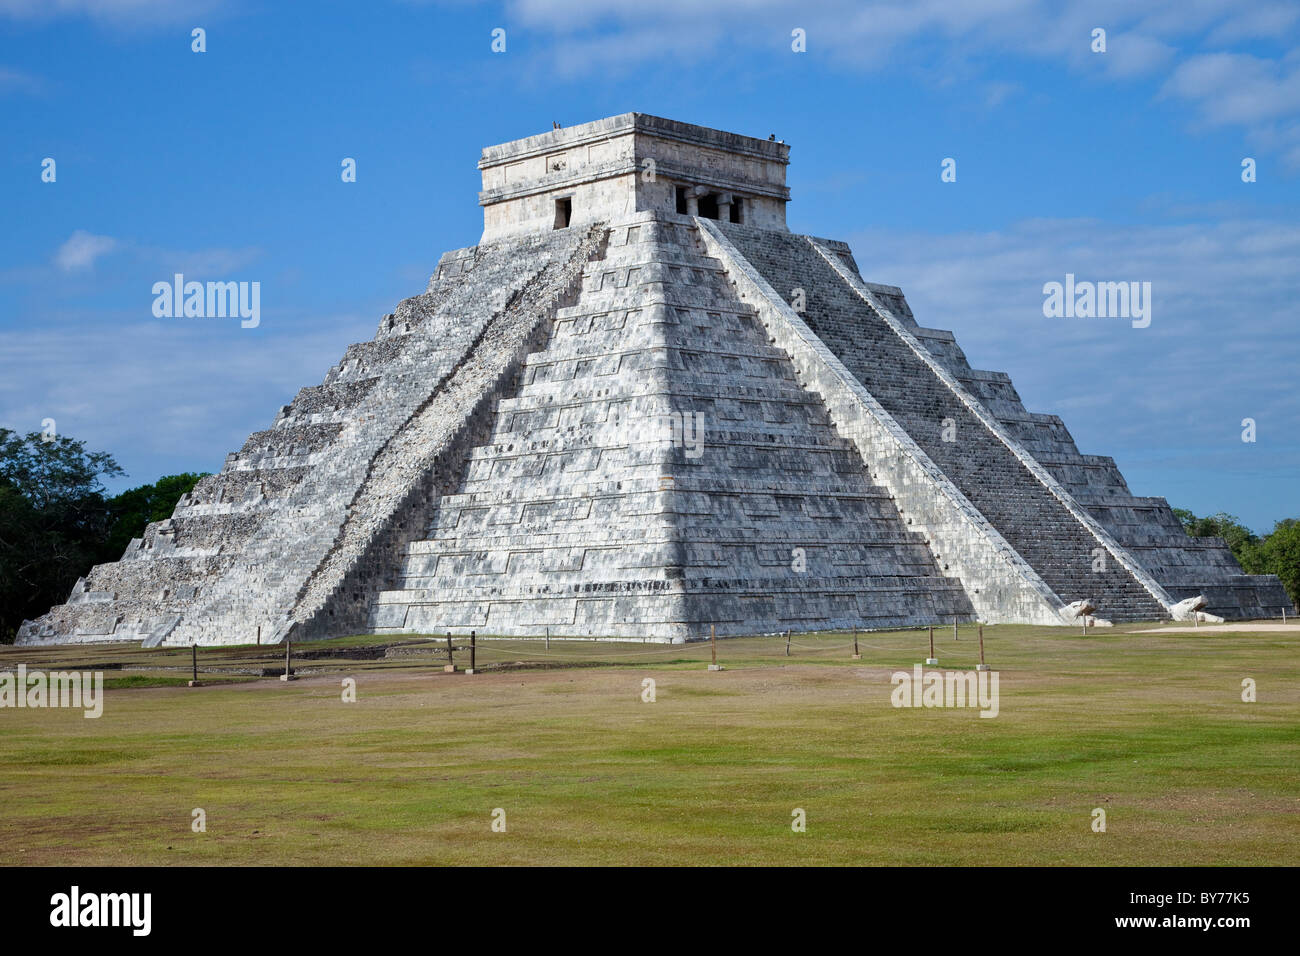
56, 522
1277, 552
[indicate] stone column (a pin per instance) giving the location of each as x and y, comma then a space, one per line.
724, 207
693, 199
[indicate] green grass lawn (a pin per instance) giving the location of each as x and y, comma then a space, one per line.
1149, 727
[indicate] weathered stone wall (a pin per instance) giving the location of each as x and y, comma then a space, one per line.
614, 167
229, 564
1030, 511
1145, 528
1000, 585
587, 515
425, 455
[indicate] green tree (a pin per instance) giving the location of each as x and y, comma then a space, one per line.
53, 520
1241, 540
1280, 553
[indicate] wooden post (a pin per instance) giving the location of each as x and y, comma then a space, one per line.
713, 646
194, 660
259, 635
473, 645
954, 630
856, 656
983, 666
288, 660
787, 643
548, 637
932, 660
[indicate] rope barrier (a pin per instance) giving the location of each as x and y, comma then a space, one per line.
574, 650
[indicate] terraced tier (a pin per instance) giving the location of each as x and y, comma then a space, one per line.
1029, 515
660, 471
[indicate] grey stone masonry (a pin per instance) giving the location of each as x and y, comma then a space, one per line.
247, 554
661, 471
1069, 552
638, 409
1143, 532
614, 167
1146, 528
999, 582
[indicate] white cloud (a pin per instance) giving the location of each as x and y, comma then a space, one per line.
121, 13
1165, 400
1238, 88
170, 395
1130, 55
998, 93
858, 35
216, 262
82, 249
16, 81
1258, 21
954, 43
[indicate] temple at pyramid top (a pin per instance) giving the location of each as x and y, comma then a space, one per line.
606, 170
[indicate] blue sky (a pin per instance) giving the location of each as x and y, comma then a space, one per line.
224, 165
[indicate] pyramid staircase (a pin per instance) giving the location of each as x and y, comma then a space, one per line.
660, 471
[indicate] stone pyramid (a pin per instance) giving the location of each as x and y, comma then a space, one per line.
639, 408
